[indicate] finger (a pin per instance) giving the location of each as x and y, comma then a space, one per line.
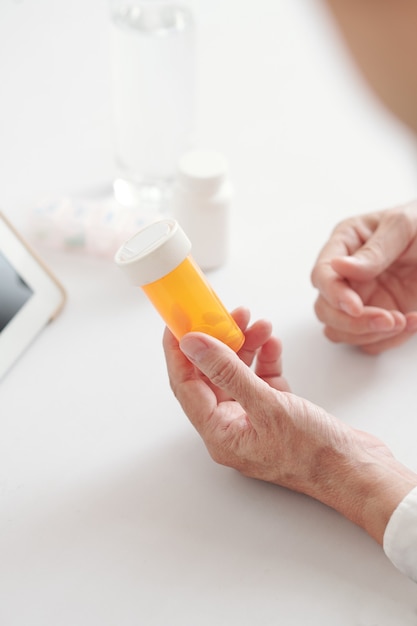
197, 399
255, 337
372, 319
385, 245
337, 336
345, 240
180, 369
269, 361
269, 364
335, 289
387, 344
241, 315
227, 371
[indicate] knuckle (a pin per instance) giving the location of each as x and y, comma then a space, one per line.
222, 373
314, 275
172, 385
318, 309
402, 220
374, 251
343, 227
318, 273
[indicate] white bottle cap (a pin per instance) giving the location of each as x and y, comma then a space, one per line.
202, 171
153, 252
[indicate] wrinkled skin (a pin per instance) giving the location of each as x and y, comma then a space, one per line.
250, 421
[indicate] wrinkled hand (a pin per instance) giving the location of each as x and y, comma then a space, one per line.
366, 275
249, 421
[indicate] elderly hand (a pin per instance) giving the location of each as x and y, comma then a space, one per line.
366, 275
249, 421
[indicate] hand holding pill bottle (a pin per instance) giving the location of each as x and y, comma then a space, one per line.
158, 259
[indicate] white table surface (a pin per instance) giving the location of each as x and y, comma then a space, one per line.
111, 511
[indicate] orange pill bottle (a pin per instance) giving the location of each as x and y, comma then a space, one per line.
158, 260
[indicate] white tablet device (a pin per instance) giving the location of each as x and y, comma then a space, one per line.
30, 296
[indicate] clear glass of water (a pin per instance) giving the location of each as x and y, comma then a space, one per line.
153, 81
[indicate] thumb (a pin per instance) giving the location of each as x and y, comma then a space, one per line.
383, 247
227, 371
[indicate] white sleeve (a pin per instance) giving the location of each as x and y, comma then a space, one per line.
400, 537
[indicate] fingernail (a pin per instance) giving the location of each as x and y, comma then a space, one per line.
350, 308
381, 322
356, 260
194, 348
346, 308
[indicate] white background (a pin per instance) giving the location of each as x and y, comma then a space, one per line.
111, 511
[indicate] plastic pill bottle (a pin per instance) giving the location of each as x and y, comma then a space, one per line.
201, 202
158, 260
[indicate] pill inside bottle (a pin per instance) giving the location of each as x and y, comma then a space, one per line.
158, 260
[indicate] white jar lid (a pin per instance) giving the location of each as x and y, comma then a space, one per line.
153, 252
202, 171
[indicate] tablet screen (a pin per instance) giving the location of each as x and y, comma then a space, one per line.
14, 292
